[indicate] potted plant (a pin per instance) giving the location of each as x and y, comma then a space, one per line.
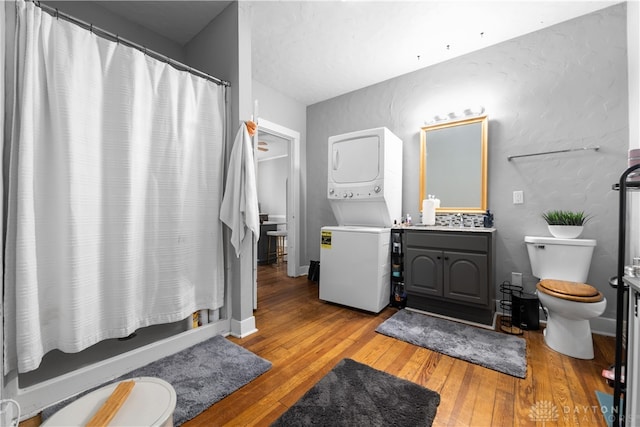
565, 224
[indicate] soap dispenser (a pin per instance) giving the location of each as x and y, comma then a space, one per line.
488, 219
429, 210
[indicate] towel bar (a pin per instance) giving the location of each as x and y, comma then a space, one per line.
554, 152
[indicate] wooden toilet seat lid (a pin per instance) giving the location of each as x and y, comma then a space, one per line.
572, 291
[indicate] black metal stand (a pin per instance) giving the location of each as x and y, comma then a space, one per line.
506, 305
398, 296
621, 308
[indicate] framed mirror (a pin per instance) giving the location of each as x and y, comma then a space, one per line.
453, 164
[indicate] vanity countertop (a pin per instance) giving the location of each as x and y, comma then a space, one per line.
634, 282
448, 229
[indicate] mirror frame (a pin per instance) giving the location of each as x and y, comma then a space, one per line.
483, 165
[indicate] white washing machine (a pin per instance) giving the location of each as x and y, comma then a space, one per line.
354, 266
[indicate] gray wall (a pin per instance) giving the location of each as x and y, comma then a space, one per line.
284, 111
561, 87
272, 185
223, 49
93, 13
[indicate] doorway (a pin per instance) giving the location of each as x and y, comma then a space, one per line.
278, 148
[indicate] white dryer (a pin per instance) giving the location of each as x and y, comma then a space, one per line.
365, 192
365, 177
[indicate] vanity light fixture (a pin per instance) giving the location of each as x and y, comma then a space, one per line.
465, 113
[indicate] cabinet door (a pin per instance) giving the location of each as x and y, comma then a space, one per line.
423, 269
465, 277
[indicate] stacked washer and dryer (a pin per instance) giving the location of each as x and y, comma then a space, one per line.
365, 193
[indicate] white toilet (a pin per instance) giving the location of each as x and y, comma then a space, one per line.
562, 265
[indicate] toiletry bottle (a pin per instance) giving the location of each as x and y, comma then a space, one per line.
400, 295
429, 210
488, 219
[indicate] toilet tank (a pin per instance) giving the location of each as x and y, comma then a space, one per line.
561, 259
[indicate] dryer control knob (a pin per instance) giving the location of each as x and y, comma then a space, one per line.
344, 195
377, 188
350, 195
331, 191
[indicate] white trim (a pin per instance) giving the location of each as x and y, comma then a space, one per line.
35, 398
603, 326
600, 325
272, 158
491, 327
243, 328
293, 195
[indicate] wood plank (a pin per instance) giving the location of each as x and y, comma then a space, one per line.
304, 338
503, 411
451, 392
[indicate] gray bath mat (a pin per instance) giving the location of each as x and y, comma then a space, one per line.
201, 375
493, 350
353, 394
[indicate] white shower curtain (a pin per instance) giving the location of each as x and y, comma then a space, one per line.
115, 188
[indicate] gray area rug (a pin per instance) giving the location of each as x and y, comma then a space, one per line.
353, 394
493, 350
201, 375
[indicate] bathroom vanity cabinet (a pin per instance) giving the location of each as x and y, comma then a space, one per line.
450, 271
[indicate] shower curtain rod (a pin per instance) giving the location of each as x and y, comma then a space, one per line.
111, 36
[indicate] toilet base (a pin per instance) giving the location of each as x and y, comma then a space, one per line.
569, 336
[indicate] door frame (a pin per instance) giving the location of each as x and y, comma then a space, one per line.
293, 193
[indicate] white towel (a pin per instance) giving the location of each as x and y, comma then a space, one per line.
239, 210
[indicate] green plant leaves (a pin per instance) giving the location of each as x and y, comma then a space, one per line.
558, 217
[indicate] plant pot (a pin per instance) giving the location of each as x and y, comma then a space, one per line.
565, 231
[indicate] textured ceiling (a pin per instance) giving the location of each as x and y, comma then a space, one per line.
315, 50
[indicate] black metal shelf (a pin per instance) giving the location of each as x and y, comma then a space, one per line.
398, 296
624, 185
629, 186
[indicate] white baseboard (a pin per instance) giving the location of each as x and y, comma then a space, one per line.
34, 398
491, 327
243, 328
303, 270
600, 325
603, 326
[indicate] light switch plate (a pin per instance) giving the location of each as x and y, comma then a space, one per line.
518, 197
516, 279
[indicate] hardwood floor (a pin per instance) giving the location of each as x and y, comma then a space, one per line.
304, 338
